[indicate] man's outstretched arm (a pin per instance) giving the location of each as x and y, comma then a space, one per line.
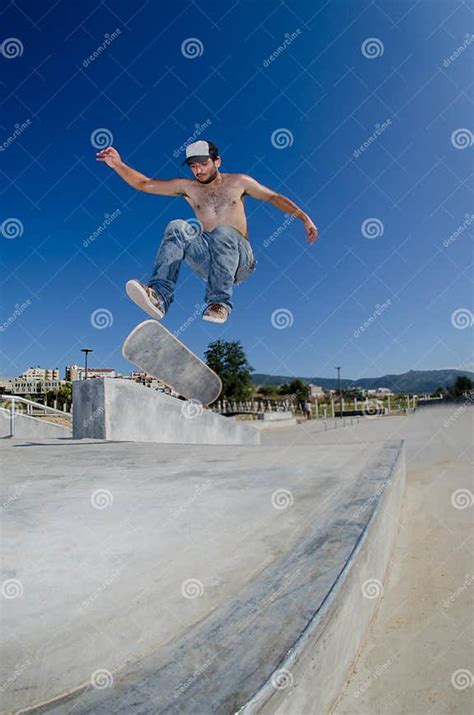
170, 187
263, 193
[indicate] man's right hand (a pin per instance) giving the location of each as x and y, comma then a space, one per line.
110, 156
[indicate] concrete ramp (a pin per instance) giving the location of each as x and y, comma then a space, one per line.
168, 579
123, 410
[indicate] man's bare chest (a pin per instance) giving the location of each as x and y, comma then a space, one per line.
216, 199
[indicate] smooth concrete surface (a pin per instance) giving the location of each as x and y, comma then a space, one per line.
123, 410
418, 656
276, 416
181, 576
27, 427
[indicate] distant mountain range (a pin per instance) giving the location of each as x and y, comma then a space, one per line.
413, 381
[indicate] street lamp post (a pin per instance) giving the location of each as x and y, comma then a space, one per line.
86, 351
339, 390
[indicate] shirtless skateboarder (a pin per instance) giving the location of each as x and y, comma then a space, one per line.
221, 253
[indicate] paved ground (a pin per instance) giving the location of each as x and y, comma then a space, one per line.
418, 657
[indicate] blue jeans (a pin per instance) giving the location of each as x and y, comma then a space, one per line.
222, 257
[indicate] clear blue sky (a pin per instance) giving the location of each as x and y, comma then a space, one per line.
348, 68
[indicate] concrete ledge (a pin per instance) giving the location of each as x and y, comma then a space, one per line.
27, 427
122, 410
276, 416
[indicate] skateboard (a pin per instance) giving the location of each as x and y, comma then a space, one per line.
152, 348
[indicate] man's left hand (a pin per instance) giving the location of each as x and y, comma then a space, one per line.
311, 231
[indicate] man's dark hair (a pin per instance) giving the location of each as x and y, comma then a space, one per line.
213, 150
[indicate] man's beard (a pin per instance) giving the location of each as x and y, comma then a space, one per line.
211, 178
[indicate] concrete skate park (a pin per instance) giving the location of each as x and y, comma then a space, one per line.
206, 566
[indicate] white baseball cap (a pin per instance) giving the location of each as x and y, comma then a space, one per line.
199, 151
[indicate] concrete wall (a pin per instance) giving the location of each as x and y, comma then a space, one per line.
30, 427
122, 410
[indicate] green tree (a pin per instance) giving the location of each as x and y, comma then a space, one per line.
270, 391
461, 385
299, 389
228, 360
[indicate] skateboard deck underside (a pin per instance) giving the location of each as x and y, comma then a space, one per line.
152, 348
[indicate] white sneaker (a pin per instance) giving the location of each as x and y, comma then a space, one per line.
216, 313
146, 298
